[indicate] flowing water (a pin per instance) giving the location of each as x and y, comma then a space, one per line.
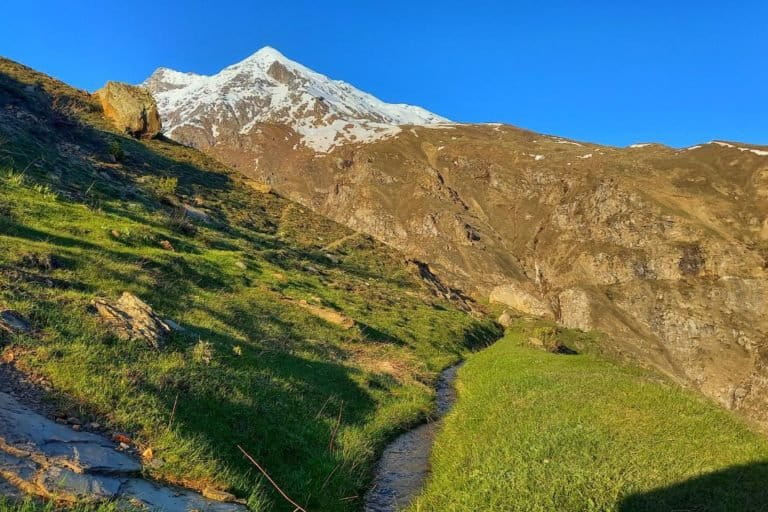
404, 466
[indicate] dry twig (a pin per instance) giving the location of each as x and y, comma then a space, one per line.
298, 508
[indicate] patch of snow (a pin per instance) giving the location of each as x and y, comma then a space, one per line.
536, 157
563, 141
588, 155
759, 152
641, 145
691, 148
267, 87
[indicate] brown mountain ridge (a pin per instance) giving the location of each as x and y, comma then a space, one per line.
663, 250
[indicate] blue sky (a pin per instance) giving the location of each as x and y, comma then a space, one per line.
614, 72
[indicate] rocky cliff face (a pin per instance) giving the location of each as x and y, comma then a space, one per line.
663, 250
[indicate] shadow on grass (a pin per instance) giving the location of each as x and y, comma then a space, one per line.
738, 488
282, 408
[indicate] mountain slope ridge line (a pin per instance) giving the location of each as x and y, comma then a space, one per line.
664, 250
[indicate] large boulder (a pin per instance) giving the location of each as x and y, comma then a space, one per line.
131, 108
516, 297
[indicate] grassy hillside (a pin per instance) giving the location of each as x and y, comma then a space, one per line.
578, 433
87, 213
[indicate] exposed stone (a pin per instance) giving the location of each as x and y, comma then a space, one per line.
133, 319
41, 457
576, 309
24, 431
195, 213
70, 486
132, 109
173, 325
517, 298
505, 319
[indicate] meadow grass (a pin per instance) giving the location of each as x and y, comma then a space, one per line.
536, 431
311, 401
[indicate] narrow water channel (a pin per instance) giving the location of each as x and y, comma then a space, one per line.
404, 466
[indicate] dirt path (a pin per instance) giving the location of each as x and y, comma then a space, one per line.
404, 466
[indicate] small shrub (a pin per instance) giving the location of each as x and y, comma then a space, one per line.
202, 352
165, 187
15, 179
116, 151
180, 223
45, 191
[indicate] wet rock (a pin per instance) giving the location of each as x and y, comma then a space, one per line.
133, 319
132, 109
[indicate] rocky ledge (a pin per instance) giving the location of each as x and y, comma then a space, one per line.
43, 458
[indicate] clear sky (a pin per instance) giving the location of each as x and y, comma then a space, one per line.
614, 72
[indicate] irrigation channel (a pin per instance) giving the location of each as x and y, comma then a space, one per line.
403, 468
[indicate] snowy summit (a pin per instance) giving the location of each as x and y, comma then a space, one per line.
268, 88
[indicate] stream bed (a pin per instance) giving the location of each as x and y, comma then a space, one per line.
403, 468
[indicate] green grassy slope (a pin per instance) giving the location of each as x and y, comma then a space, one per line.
535, 431
85, 213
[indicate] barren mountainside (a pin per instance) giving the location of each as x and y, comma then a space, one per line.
663, 250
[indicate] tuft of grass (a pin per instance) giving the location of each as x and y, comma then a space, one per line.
536, 431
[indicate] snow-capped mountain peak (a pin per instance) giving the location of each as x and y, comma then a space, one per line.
269, 88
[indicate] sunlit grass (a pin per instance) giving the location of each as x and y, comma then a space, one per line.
535, 431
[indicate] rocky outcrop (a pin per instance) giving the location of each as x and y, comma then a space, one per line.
132, 109
43, 458
133, 319
517, 298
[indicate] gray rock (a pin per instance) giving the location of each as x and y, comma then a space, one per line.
133, 319
157, 497
196, 213
43, 458
58, 481
27, 431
